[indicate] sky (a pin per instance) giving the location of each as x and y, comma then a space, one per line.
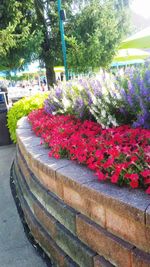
141, 7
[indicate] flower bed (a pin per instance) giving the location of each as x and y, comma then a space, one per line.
108, 99
120, 155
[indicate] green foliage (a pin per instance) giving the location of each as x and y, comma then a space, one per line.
20, 39
22, 108
97, 30
29, 30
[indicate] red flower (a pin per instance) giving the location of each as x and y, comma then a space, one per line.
119, 168
133, 159
127, 175
134, 176
114, 178
148, 190
134, 183
108, 163
99, 155
113, 151
147, 181
145, 173
100, 175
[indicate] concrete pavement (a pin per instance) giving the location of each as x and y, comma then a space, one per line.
15, 249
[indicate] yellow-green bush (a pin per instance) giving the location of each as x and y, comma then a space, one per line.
22, 108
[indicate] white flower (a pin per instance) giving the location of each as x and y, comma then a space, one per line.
103, 113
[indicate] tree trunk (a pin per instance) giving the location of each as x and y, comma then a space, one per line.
50, 75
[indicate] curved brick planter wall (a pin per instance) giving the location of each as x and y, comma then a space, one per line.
75, 219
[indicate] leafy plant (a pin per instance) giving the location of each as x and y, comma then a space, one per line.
22, 108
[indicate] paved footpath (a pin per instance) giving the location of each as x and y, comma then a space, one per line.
15, 249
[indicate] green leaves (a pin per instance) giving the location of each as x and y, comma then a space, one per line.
19, 40
30, 30
97, 31
22, 108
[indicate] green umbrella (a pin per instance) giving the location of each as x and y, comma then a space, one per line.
139, 40
130, 54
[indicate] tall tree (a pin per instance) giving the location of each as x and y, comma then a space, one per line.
20, 39
95, 35
47, 21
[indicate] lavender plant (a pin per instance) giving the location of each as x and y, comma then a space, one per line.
110, 100
53, 104
69, 98
136, 96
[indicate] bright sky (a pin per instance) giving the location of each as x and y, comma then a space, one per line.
141, 7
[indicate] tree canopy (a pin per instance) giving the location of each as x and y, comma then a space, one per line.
29, 30
97, 31
20, 38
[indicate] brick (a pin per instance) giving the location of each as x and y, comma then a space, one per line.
29, 151
140, 259
75, 200
18, 189
47, 221
64, 214
51, 203
73, 247
82, 203
44, 168
128, 229
115, 198
115, 250
40, 235
20, 182
148, 216
71, 197
48, 180
21, 164
72, 178
31, 181
97, 212
44, 218
21, 147
99, 261
48, 245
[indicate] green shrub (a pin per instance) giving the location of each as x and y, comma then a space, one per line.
22, 108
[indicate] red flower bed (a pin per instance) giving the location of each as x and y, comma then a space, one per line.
121, 154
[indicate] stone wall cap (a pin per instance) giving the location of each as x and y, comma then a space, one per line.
23, 123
